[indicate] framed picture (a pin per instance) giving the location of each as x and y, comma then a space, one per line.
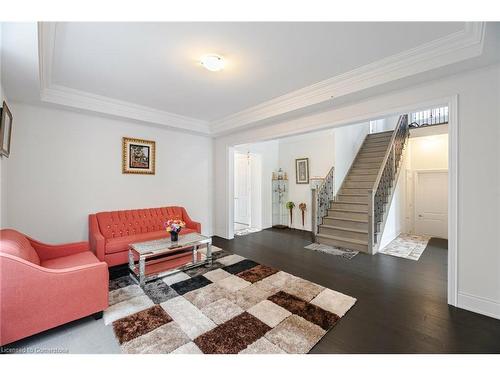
5, 130
302, 171
138, 156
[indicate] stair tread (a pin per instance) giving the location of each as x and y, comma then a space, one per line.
346, 219
348, 210
353, 194
378, 141
371, 155
347, 200
361, 203
343, 239
343, 228
387, 131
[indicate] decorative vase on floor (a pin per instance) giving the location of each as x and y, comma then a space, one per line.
290, 205
302, 207
174, 236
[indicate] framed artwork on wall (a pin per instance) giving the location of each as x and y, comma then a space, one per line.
302, 171
5, 130
138, 156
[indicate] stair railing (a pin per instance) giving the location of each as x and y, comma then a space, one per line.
321, 198
379, 195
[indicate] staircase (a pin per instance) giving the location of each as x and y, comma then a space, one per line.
354, 218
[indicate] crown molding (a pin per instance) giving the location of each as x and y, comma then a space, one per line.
65, 96
455, 47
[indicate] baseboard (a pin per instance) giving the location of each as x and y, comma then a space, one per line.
479, 305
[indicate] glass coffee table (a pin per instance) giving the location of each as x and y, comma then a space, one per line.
151, 260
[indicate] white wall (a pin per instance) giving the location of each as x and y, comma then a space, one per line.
428, 152
478, 161
2, 211
348, 140
65, 165
384, 124
319, 148
1, 58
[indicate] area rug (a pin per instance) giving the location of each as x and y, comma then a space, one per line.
245, 231
234, 306
344, 253
408, 246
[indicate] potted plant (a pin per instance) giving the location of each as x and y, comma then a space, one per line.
290, 205
174, 226
302, 207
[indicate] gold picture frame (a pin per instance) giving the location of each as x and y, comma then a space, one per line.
138, 156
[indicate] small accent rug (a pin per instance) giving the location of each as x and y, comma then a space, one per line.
408, 246
234, 306
344, 253
244, 232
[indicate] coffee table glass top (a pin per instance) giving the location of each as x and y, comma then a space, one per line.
164, 244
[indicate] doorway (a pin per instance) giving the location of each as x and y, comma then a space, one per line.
247, 193
421, 197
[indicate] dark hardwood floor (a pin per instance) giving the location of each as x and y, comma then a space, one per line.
401, 305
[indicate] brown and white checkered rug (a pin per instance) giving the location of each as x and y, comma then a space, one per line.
234, 306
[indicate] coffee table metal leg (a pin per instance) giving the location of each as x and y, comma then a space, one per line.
142, 271
195, 252
130, 260
209, 254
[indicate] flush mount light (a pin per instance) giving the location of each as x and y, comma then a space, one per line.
214, 63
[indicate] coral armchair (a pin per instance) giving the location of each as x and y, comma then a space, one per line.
43, 286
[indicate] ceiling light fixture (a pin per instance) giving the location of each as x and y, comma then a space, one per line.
214, 63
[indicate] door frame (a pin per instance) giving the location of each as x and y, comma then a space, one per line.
387, 110
414, 193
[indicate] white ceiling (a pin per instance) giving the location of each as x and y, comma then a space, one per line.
148, 72
155, 64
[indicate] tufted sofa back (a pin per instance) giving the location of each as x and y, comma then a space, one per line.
130, 222
14, 243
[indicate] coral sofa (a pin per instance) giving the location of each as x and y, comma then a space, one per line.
44, 286
110, 233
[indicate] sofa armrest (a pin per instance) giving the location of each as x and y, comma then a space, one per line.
46, 251
96, 239
190, 223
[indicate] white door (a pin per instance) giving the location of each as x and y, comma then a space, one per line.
431, 203
241, 189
